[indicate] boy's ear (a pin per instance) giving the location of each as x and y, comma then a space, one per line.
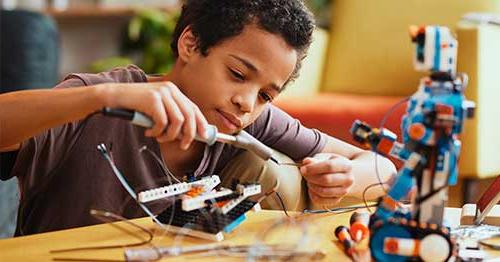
187, 45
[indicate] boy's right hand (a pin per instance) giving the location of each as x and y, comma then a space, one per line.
174, 115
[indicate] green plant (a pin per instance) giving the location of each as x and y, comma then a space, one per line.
321, 10
146, 42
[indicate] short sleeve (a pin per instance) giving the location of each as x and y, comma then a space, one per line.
42, 152
279, 130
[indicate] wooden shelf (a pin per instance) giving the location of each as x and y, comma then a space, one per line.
102, 12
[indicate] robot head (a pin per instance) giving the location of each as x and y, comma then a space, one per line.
436, 49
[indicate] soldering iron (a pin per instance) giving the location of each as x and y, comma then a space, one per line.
241, 140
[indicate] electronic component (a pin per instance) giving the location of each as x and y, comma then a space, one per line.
245, 192
207, 183
195, 202
203, 222
198, 211
201, 210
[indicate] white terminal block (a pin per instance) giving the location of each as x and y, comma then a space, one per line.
208, 184
249, 190
245, 192
163, 192
192, 203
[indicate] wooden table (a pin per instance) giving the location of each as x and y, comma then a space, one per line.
320, 236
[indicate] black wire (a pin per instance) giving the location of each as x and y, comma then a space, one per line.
282, 203
366, 190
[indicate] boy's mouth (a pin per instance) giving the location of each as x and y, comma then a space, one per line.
231, 121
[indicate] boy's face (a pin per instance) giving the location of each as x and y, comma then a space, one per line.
238, 77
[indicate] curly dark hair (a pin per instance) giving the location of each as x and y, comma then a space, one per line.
213, 21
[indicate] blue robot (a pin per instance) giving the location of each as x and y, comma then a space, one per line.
430, 151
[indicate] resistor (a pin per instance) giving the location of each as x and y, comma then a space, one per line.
359, 225
343, 235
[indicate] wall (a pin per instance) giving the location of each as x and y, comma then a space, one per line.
86, 39
370, 51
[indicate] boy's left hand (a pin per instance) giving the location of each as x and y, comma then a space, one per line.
328, 177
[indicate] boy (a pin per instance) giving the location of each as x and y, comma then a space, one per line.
233, 58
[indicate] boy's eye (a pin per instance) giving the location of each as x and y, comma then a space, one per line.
266, 97
237, 75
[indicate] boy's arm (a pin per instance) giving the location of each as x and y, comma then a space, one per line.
344, 170
24, 114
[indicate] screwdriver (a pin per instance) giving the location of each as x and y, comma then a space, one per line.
242, 139
343, 235
359, 225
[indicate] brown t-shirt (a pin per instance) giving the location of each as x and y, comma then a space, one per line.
62, 175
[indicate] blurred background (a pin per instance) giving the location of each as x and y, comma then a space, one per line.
359, 65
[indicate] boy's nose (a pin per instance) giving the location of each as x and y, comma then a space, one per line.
245, 101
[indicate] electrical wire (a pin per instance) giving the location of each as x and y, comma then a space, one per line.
105, 216
381, 126
102, 149
282, 203
366, 190
274, 189
168, 174
286, 221
337, 210
162, 165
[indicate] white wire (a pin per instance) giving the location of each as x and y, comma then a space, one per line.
164, 168
123, 182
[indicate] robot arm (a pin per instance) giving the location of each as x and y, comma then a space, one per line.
381, 141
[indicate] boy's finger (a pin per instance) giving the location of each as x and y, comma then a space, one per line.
316, 199
201, 122
328, 192
335, 165
187, 107
308, 160
160, 119
175, 116
330, 180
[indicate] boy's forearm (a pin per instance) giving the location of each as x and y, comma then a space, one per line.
23, 114
365, 172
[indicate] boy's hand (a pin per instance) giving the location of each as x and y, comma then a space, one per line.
173, 114
328, 177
